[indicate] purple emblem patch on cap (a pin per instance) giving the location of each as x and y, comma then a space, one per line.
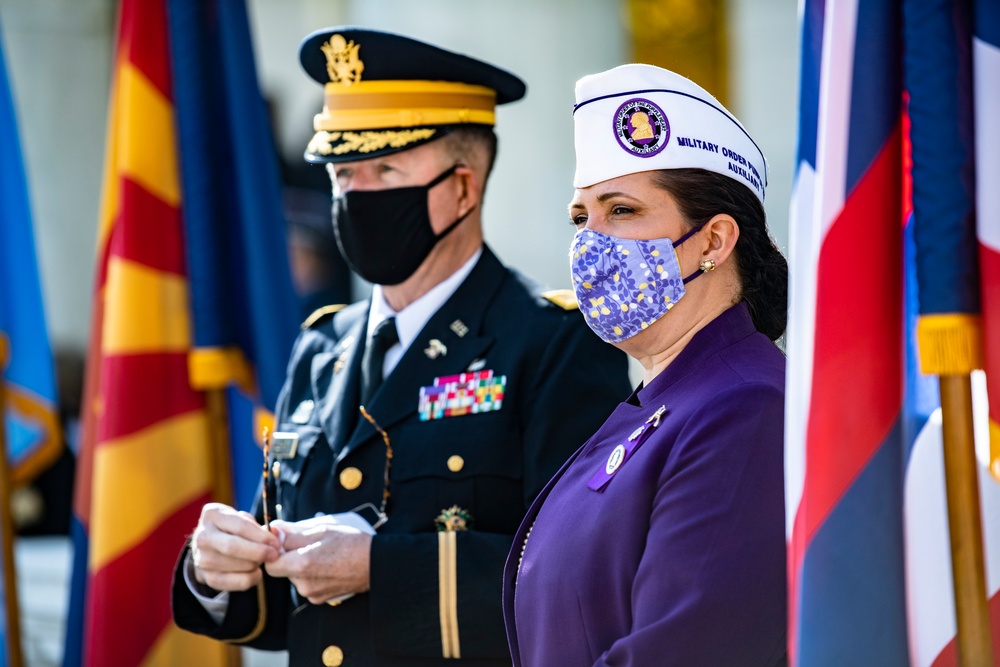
641, 127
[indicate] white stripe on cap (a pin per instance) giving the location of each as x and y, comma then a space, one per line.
637, 118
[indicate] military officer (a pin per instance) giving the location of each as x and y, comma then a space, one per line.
415, 428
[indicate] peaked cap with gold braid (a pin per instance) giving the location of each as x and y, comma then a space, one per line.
386, 93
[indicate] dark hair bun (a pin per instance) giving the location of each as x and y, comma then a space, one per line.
701, 195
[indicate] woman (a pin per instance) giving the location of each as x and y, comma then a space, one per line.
661, 541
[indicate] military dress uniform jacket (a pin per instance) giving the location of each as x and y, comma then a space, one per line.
669, 550
434, 596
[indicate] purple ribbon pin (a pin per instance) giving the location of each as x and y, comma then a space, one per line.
623, 452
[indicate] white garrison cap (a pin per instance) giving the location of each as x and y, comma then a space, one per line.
641, 118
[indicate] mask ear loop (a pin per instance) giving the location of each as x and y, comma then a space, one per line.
462, 217
702, 269
442, 176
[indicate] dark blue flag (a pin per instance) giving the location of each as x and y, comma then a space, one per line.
244, 307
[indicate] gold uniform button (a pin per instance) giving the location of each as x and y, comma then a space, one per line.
350, 479
455, 463
333, 656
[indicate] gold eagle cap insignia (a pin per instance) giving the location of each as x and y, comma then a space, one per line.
342, 61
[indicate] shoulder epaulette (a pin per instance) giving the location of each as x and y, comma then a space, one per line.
564, 298
320, 314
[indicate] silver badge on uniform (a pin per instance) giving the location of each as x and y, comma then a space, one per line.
284, 444
615, 460
303, 411
435, 349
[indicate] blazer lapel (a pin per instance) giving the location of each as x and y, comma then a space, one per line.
336, 382
398, 397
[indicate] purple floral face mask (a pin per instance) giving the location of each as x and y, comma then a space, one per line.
624, 285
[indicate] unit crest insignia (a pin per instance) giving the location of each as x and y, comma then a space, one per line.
453, 519
342, 61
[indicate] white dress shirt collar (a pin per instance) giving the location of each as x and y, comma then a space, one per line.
410, 320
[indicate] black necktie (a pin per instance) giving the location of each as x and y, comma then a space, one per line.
384, 337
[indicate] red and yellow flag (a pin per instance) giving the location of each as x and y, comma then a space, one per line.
147, 461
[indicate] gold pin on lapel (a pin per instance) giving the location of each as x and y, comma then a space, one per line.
458, 326
345, 349
435, 349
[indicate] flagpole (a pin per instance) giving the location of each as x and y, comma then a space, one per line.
11, 607
218, 416
965, 523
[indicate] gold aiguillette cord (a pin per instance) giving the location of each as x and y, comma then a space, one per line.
267, 474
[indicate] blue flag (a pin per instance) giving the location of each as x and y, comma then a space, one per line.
30, 418
30, 415
244, 307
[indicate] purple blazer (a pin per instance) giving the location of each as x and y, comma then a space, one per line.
677, 555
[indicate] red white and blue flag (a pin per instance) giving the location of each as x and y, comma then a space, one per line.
986, 94
947, 291
986, 102
845, 392
869, 556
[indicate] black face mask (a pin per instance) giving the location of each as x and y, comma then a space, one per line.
385, 235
